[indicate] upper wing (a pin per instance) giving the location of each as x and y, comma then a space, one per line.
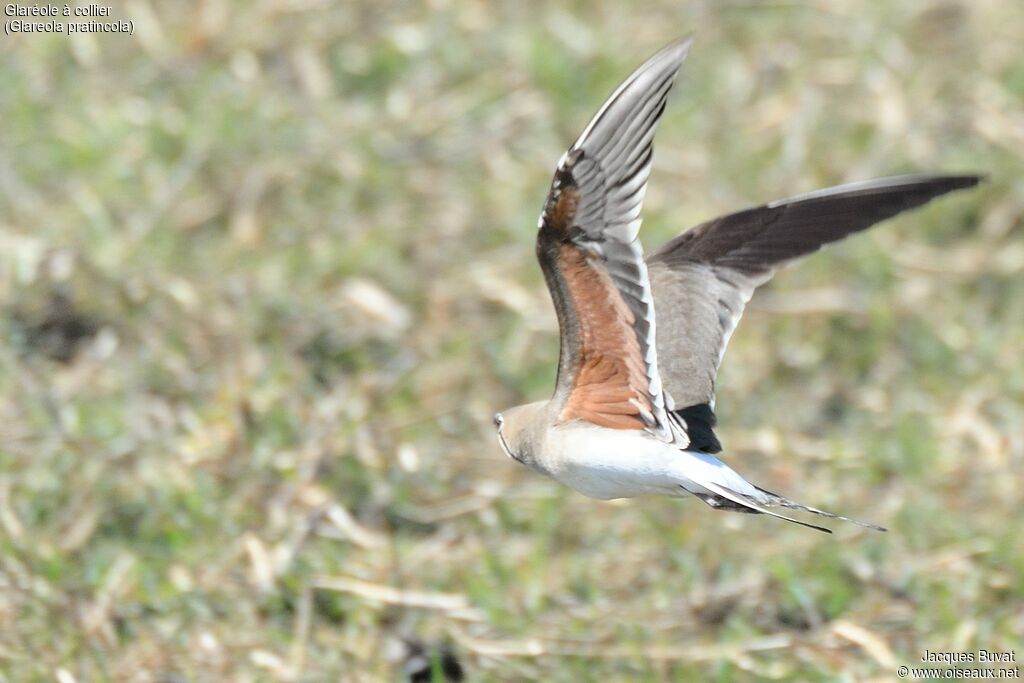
593, 263
703, 278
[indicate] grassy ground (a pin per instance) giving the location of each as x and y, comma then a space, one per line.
267, 271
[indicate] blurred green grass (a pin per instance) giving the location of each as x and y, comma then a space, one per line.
296, 243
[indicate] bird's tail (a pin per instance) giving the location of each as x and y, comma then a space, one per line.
776, 499
726, 498
722, 488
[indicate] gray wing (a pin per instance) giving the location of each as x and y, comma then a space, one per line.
703, 278
593, 262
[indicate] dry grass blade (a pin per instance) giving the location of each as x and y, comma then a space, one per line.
347, 527
871, 643
452, 604
536, 647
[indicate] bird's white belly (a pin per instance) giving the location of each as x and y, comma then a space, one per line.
612, 463
618, 463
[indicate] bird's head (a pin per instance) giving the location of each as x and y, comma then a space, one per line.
520, 430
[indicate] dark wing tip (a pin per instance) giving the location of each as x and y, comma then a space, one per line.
961, 182
649, 82
671, 56
932, 184
938, 185
680, 45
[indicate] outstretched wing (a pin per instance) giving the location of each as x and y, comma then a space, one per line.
703, 278
592, 260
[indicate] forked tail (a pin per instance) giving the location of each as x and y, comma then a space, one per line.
732, 500
776, 499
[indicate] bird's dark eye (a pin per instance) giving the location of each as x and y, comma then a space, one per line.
498, 420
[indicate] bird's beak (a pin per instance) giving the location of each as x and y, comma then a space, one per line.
504, 446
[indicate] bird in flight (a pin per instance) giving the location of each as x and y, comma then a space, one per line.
642, 338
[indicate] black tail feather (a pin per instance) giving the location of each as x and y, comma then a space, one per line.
724, 498
781, 501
